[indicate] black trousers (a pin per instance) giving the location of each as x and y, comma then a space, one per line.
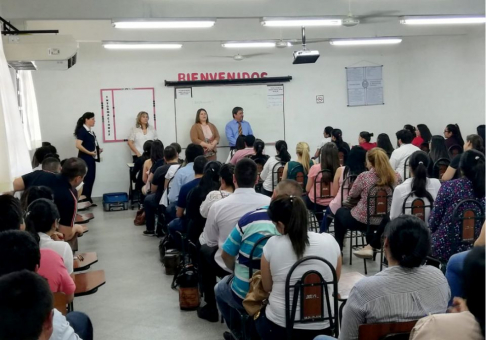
266, 192
208, 271
89, 179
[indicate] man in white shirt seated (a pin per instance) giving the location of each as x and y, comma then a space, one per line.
405, 149
222, 218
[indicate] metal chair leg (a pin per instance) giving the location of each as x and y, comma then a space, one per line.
351, 247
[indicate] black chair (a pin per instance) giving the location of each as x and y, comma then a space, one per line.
417, 207
309, 292
440, 167
352, 234
324, 179
277, 173
468, 217
312, 222
455, 150
406, 170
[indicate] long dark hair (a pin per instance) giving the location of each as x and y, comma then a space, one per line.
356, 162
259, 146
40, 216
472, 167
283, 154
366, 135
226, 174
480, 129
338, 135
419, 162
81, 120
147, 148
383, 141
157, 151
210, 179
424, 132
476, 142
456, 133
473, 274
438, 148
410, 128
291, 211
329, 158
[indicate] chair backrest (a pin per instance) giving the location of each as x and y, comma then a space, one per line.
277, 173
378, 201
440, 167
324, 178
311, 293
417, 207
406, 169
60, 302
455, 150
251, 263
392, 330
347, 185
312, 222
465, 215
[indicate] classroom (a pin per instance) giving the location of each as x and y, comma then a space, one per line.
152, 147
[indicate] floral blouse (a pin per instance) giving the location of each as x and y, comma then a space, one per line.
361, 186
441, 220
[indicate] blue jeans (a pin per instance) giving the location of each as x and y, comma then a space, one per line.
81, 325
454, 274
177, 225
229, 307
326, 220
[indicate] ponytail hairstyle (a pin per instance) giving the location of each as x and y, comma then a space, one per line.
472, 167
424, 132
337, 134
328, 130
410, 128
259, 146
419, 162
283, 154
366, 135
147, 148
438, 148
456, 133
226, 173
210, 179
329, 158
408, 240
41, 214
291, 211
476, 142
81, 121
157, 151
379, 160
304, 151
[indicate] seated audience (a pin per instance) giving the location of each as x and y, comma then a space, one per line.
240, 145
410, 128
33, 193
473, 142
137, 170
209, 183
453, 136
51, 164
280, 253
417, 186
327, 138
329, 160
63, 186
302, 165
355, 165
267, 175
227, 187
248, 150
364, 139
438, 150
259, 157
41, 153
19, 252
150, 165
253, 226
343, 147
406, 290
380, 174
422, 136
400, 155
383, 141
180, 222
221, 220
178, 149
10, 213
481, 131
446, 240
466, 319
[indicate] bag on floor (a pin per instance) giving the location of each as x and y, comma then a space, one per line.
140, 217
187, 281
169, 256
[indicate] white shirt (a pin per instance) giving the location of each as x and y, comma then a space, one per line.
139, 138
211, 198
266, 174
61, 328
279, 253
402, 191
224, 215
324, 141
60, 247
170, 173
399, 156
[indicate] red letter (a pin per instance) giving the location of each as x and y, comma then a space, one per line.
204, 76
188, 76
181, 77
255, 75
246, 75
221, 75
230, 75
263, 75
239, 77
213, 76
194, 76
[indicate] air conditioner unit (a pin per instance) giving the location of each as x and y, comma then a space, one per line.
40, 52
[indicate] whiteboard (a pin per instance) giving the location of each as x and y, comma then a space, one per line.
263, 107
119, 109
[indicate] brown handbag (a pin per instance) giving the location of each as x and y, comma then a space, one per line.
140, 217
257, 296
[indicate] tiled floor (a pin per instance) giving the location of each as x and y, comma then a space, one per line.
137, 302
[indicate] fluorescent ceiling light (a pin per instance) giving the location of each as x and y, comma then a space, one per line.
133, 45
442, 20
292, 22
365, 41
249, 44
166, 23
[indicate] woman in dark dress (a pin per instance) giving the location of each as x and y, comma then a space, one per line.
89, 150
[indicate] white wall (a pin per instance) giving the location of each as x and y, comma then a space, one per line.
432, 80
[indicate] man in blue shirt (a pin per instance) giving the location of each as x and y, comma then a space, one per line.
237, 127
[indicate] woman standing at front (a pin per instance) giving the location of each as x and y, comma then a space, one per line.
139, 134
89, 150
205, 134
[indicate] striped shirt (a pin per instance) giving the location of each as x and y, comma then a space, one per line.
250, 228
396, 294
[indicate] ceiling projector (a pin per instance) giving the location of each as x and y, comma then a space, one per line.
305, 57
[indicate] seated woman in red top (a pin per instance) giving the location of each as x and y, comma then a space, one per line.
364, 140
422, 135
